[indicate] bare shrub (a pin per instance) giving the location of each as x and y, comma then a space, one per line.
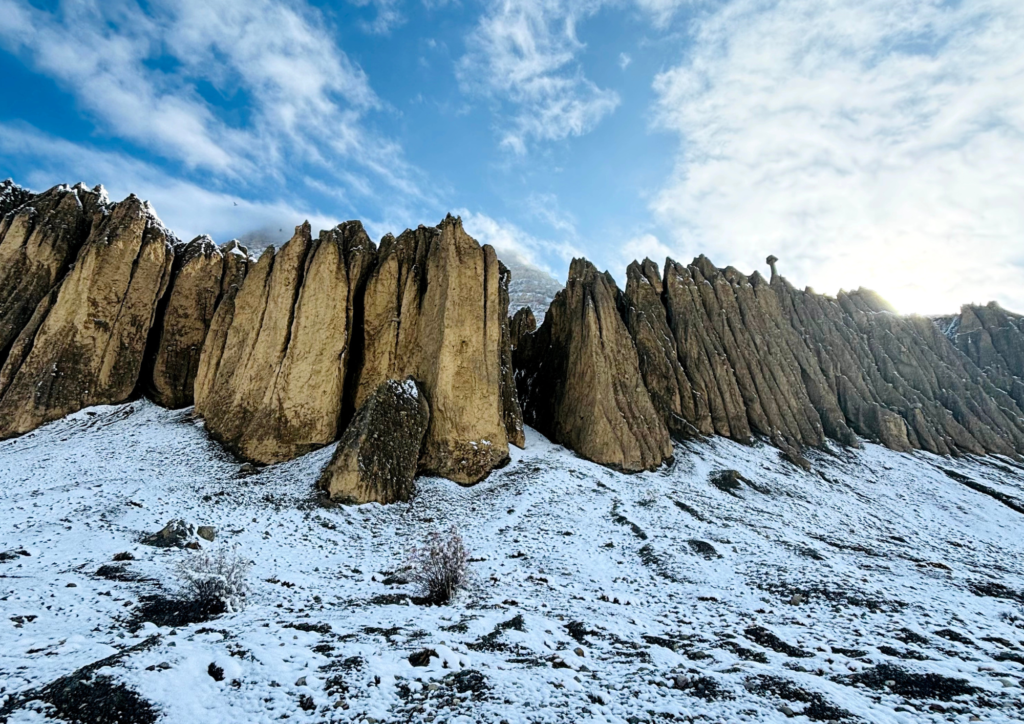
215, 581
441, 566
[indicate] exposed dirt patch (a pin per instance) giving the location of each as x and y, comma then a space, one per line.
817, 707
763, 637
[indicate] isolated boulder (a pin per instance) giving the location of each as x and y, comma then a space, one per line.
433, 311
176, 534
273, 371
88, 338
184, 320
579, 379
522, 323
376, 458
38, 243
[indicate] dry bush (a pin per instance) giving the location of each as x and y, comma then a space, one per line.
216, 580
441, 566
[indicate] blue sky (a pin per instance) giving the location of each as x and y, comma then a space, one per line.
864, 142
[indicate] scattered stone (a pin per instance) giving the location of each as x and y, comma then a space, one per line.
206, 532
173, 535
422, 657
216, 672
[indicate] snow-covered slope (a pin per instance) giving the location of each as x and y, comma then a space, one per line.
844, 593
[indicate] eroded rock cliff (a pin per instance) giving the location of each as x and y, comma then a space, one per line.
434, 311
579, 379
85, 342
274, 388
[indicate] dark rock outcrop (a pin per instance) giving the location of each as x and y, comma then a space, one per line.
666, 381
197, 286
277, 357
376, 459
511, 411
434, 311
521, 324
579, 379
85, 342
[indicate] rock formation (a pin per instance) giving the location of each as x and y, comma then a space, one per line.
376, 459
38, 243
274, 368
85, 342
993, 339
12, 196
898, 379
579, 379
512, 413
434, 311
521, 324
197, 286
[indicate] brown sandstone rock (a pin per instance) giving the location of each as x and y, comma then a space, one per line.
433, 311
993, 339
183, 321
579, 379
38, 242
376, 459
90, 336
522, 323
274, 367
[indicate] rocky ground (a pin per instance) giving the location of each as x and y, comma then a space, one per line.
878, 587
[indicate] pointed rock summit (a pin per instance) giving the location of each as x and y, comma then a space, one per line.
196, 288
85, 342
579, 378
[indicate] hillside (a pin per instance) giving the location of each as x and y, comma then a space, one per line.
878, 587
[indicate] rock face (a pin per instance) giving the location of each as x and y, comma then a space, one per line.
186, 313
38, 243
274, 367
376, 459
85, 342
434, 311
993, 339
12, 196
579, 378
511, 411
522, 323
899, 379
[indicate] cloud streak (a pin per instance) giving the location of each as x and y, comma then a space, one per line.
523, 55
142, 76
862, 141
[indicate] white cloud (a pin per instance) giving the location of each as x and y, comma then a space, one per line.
388, 15
510, 241
873, 142
525, 53
139, 75
624, 60
661, 12
187, 209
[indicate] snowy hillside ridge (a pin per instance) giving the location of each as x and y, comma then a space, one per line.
879, 587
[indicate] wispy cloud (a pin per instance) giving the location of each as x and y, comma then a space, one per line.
388, 15
624, 60
511, 241
141, 74
186, 208
861, 141
524, 54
